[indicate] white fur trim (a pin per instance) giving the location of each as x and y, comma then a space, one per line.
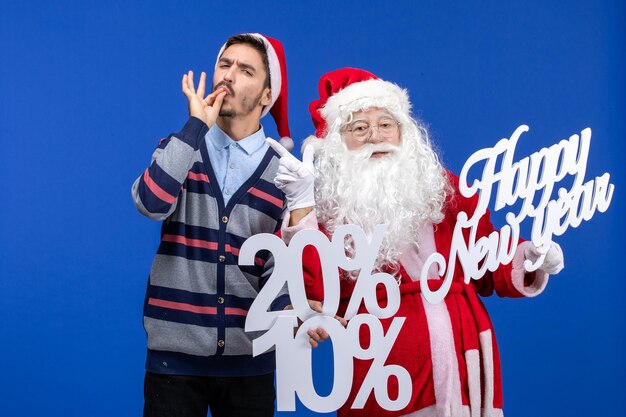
431, 411
276, 78
446, 378
274, 64
472, 361
307, 222
414, 257
366, 94
486, 348
518, 272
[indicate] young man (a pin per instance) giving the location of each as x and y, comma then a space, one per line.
212, 185
375, 165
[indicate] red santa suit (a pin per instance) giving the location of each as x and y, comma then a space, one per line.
449, 348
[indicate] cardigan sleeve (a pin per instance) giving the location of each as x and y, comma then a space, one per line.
157, 189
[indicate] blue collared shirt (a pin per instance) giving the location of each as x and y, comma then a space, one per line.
234, 161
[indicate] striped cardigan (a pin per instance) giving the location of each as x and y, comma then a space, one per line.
198, 297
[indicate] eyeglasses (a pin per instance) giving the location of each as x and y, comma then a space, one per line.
362, 131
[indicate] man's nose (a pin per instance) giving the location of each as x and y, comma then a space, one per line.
229, 75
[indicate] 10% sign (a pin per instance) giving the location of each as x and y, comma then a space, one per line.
293, 351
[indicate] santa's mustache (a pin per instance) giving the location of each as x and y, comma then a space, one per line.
366, 151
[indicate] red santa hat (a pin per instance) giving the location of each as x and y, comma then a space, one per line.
346, 90
278, 85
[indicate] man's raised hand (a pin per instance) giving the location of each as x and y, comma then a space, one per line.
206, 109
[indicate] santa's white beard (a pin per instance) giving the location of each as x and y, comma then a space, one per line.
400, 189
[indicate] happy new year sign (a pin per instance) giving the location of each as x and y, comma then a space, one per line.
530, 180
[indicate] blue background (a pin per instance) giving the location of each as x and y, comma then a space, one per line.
88, 88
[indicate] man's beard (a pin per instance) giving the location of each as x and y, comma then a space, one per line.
247, 106
402, 189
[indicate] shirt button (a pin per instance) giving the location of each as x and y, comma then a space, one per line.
221, 343
220, 300
221, 258
224, 219
227, 191
231, 166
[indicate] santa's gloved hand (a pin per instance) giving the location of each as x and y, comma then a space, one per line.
553, 262
295, 178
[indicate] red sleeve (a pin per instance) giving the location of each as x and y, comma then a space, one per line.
313, 278
312, 271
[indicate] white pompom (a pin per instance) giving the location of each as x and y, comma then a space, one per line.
314, 141
287, 142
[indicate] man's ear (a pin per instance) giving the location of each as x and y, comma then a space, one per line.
266, 97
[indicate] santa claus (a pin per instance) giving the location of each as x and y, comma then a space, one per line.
372, 163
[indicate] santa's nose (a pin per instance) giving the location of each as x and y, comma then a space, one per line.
375, 136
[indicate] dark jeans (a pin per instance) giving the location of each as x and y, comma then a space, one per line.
192, 396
